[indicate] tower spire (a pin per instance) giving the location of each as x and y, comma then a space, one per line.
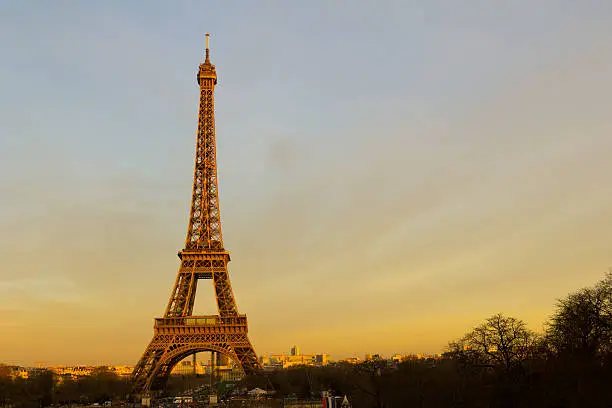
207, 69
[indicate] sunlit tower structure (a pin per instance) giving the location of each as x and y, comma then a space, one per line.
179, 333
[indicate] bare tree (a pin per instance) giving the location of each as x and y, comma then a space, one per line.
582, 322
500, 341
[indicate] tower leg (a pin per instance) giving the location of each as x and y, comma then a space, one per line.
212, 369
247, 357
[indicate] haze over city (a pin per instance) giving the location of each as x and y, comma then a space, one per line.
391, 173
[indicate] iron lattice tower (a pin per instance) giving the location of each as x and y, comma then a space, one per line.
179, 333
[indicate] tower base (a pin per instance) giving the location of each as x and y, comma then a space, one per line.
176, 338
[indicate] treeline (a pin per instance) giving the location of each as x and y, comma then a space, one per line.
498, 364
42, 389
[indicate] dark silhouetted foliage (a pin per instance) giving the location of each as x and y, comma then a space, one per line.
500, 342
582, 322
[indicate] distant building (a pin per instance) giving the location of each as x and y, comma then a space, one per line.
351, 360
76, 372
20, 372
122, 371
275, 361
72, 372
224, 368
370, 357
62, 373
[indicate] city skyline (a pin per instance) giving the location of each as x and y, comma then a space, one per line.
387, 180
269, 360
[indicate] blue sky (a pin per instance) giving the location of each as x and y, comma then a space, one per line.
391, 173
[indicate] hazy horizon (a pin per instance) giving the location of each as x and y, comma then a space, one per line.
391, 174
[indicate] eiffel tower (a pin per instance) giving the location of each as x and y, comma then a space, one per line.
179, 333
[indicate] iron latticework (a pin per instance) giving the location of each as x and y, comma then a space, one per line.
179, 333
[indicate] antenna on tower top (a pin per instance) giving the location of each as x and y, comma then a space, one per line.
207, 45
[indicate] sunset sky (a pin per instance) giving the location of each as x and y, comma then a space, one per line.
391, 172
